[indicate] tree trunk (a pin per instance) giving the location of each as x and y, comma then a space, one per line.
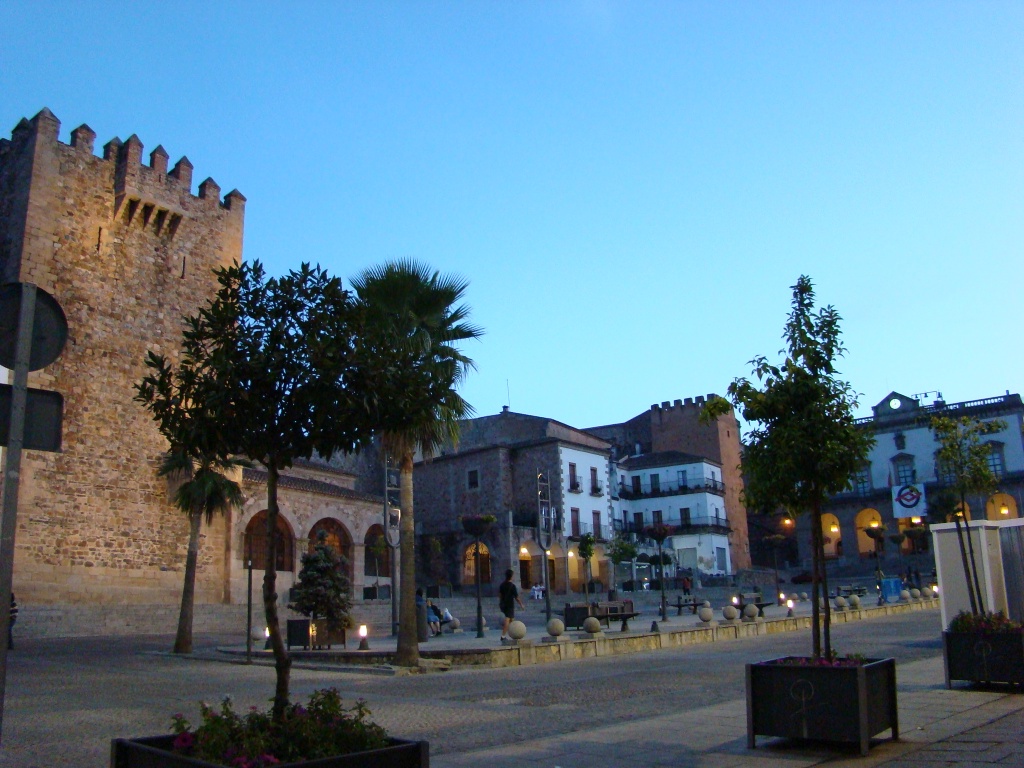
408, 653
817, 546
183, 640
282, 661
974, 563
963, 557
827, 623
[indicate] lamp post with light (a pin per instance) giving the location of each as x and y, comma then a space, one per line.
477, 527
544, 532
392, 519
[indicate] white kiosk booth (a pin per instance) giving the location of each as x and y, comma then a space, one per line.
999, 558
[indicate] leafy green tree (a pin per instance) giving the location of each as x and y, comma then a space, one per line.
416, 315
963, 465
804, 446
323, 590
620, 550
196, 461
281, 369
586, 551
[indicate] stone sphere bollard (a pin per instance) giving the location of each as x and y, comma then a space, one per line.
454, 624
705, 613
750, 611
707, 603
517, 630
926, 592
730, 613
905, 594
821, 603
854, 602
840, 603
803, 596
592, 625
556, 627
915, 593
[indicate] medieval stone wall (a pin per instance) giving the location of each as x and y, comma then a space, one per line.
127, 250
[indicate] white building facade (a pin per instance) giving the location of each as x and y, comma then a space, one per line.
684, 492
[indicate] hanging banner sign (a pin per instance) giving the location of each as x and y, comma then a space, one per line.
908, 500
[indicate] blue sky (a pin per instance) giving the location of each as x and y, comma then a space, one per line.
630, 188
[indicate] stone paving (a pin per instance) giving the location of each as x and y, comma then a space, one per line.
679, 706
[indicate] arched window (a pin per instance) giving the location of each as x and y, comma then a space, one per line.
255, 543
336, 537
867, 519
377, 553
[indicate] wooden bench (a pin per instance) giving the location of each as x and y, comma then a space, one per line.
754, 598
689, 601
605, 612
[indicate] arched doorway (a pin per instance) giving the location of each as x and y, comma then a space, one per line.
255, 543
833, 535
376, 554
469, 565
868, 519
1001, 506
336, 537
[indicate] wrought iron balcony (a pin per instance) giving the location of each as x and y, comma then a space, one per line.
645, 491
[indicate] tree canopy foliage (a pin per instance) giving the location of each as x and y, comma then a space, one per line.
803, 445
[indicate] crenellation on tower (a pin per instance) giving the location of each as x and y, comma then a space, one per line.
83, 138
111, 149
182, 171
209, 190
158, 160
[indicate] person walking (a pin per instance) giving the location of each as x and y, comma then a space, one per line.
508, 596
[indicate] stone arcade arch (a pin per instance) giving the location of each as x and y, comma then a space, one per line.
833, 535
254, 543
337, 537
866, 519
1001, 506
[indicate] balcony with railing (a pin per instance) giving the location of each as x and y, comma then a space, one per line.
596, 489
646, 491
698, 524
579, 529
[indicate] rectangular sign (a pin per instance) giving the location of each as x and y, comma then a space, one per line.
44, 416
908, 500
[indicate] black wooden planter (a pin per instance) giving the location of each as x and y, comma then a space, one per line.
845, 704
155, 752
984, 657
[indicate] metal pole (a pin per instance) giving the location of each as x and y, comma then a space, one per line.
12, 474
479, 606
544, 534
393, 547
248, 615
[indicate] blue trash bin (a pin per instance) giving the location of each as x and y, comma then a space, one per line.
891, 588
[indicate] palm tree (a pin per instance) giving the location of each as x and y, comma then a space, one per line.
416, 311
205, 490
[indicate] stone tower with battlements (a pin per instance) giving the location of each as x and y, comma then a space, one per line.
128, 250
676, 426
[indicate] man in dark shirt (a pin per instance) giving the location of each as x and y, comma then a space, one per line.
508, 596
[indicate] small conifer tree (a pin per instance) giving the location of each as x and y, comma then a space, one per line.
323, 590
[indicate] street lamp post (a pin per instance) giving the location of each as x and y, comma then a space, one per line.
392, 518
544, 532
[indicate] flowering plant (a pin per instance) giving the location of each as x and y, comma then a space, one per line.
983, 622
324, 728
832, 660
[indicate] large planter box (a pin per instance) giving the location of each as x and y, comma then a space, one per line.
313, 634
155, 752
984, 657
844, 704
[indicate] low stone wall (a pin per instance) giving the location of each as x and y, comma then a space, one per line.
54, 621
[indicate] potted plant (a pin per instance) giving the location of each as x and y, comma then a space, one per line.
323, 733
621, 550
985, 648
803, 447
